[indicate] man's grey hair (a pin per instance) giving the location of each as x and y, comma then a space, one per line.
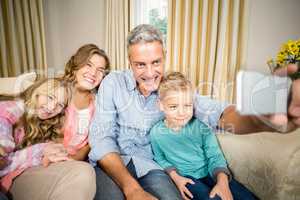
144, 33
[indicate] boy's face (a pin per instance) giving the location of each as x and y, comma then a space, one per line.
178, 107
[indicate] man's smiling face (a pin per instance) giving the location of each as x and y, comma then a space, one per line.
147, 63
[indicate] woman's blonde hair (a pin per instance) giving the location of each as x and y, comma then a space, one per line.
173, 81
39, 130
81, 58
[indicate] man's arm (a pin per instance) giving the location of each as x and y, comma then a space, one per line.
278, 122
232, 121
113, 165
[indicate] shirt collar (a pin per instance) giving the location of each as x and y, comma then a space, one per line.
130, 80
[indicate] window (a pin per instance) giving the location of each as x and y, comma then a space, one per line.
153, 12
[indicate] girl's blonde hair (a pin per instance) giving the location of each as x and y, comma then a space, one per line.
81, 58
38, 130
173, 81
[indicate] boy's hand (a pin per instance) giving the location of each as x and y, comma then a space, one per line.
222, 188
181, 182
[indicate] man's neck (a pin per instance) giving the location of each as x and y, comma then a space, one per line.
144, 92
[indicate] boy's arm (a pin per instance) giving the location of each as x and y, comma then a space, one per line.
211, 148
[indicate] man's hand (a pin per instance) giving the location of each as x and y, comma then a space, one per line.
221, 188
139, 193
181, 183
292, 120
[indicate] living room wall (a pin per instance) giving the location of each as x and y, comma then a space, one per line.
271, 23
71, 23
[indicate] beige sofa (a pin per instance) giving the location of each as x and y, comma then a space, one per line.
267, 163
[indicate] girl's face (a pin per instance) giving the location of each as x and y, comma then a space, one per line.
90, 75
51, 104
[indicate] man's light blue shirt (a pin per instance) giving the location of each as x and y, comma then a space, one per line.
123, 119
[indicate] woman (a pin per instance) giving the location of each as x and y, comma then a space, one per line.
85, 70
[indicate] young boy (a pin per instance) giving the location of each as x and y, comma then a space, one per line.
188, 150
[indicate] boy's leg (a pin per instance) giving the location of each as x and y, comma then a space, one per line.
201, 189
68, 180
160, 185
240, 192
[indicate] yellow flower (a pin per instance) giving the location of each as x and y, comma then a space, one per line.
289, 53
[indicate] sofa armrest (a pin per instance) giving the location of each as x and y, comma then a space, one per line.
266, 163
15, 85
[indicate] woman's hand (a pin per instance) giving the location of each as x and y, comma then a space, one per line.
3, 161
54, 152
181, 183
2, 152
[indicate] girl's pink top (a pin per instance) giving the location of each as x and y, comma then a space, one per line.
73, 138
10, 137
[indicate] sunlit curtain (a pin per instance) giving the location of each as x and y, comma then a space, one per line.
205, 42
22, 37
117, 28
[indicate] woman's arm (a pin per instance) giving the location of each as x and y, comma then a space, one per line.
82, 153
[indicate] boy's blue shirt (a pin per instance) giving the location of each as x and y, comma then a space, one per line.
192, 151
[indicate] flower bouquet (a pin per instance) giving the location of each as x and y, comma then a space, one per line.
289, 53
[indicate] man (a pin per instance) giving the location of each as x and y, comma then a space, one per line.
126, 110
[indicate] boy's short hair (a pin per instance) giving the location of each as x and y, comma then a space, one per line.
174, 81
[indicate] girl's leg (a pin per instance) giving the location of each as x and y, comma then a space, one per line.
69, 180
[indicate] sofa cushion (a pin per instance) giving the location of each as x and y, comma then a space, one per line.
266, 163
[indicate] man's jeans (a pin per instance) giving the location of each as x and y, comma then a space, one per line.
3, 197
156, 182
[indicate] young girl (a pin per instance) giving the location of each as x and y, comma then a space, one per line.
85, 70
28, 122
188, 150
